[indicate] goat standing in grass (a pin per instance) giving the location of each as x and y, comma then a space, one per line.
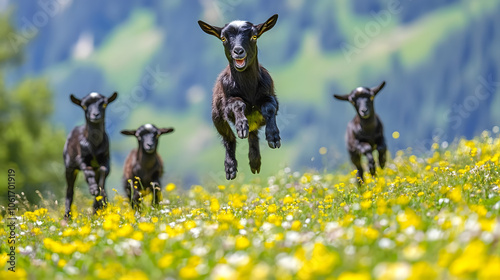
243, 93
87, 149
365, 133
144, 163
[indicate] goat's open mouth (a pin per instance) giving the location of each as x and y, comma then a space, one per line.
240, 63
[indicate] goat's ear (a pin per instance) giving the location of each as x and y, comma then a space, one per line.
112, 97
128, 132
263, 27
375, 90
210, 29
75, 100
166, 130
342, 97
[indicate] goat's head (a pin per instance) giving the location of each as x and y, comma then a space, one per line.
240, 40
362, 99
94, 105
148, 135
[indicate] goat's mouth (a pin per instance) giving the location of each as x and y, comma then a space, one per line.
240, 63
364, 115
95, 120
150, 150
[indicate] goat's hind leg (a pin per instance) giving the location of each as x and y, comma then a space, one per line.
70, 180
229, 142
254, 151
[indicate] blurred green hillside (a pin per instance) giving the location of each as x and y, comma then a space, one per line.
440, 60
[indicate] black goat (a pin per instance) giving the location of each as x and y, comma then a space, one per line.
144, 163
87, 149
365, 132
243, 93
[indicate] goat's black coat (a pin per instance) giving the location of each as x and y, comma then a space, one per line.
144, 163
243, 93
87, 149
365, 133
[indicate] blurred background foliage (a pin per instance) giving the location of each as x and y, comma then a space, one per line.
440, 60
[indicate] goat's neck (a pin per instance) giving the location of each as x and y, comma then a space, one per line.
94, 132
247, 80
146, 160
369, 124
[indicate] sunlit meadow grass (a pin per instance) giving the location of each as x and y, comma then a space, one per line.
430, 217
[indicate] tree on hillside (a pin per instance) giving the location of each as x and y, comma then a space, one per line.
29, 144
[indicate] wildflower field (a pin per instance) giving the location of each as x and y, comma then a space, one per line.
422, 217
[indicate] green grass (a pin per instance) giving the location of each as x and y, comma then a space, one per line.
434, 217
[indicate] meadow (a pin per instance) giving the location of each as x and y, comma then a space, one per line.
431, 216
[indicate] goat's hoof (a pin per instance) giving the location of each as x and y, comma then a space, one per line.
94, 189
231, 173
274, 144
255, 168
242, 129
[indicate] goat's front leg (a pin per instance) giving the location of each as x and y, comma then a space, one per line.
356, 160
235, 106
382, 153
155, 184
70, 179
254, 151
90, 177
102, 201
366, 149
269, 110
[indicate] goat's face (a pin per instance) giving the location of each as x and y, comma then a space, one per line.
148, 136
362, 99
94, 105
240, 40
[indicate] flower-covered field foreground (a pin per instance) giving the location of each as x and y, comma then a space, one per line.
433, 217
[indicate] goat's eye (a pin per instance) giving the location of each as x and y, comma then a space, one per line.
254, 37
371, 98
84, 107
104, 105
223, 39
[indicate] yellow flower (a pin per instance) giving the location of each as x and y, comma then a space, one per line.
296, 225
346, 275
3, 259
124, 230
287, 200
471, 259
409, 218
188, 272
272, 208
137, 235
61, 263
170, 187
68, 232
134, 275
166, 260
36, 231
490, 271
214, 205
455, 195
189, 224
146, 227
40, 212
365, 204
242, 243
422, 270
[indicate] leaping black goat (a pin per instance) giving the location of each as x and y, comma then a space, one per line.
144, 163
365, 133
243, 93
87, 149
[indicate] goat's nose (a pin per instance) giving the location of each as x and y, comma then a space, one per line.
238, 50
